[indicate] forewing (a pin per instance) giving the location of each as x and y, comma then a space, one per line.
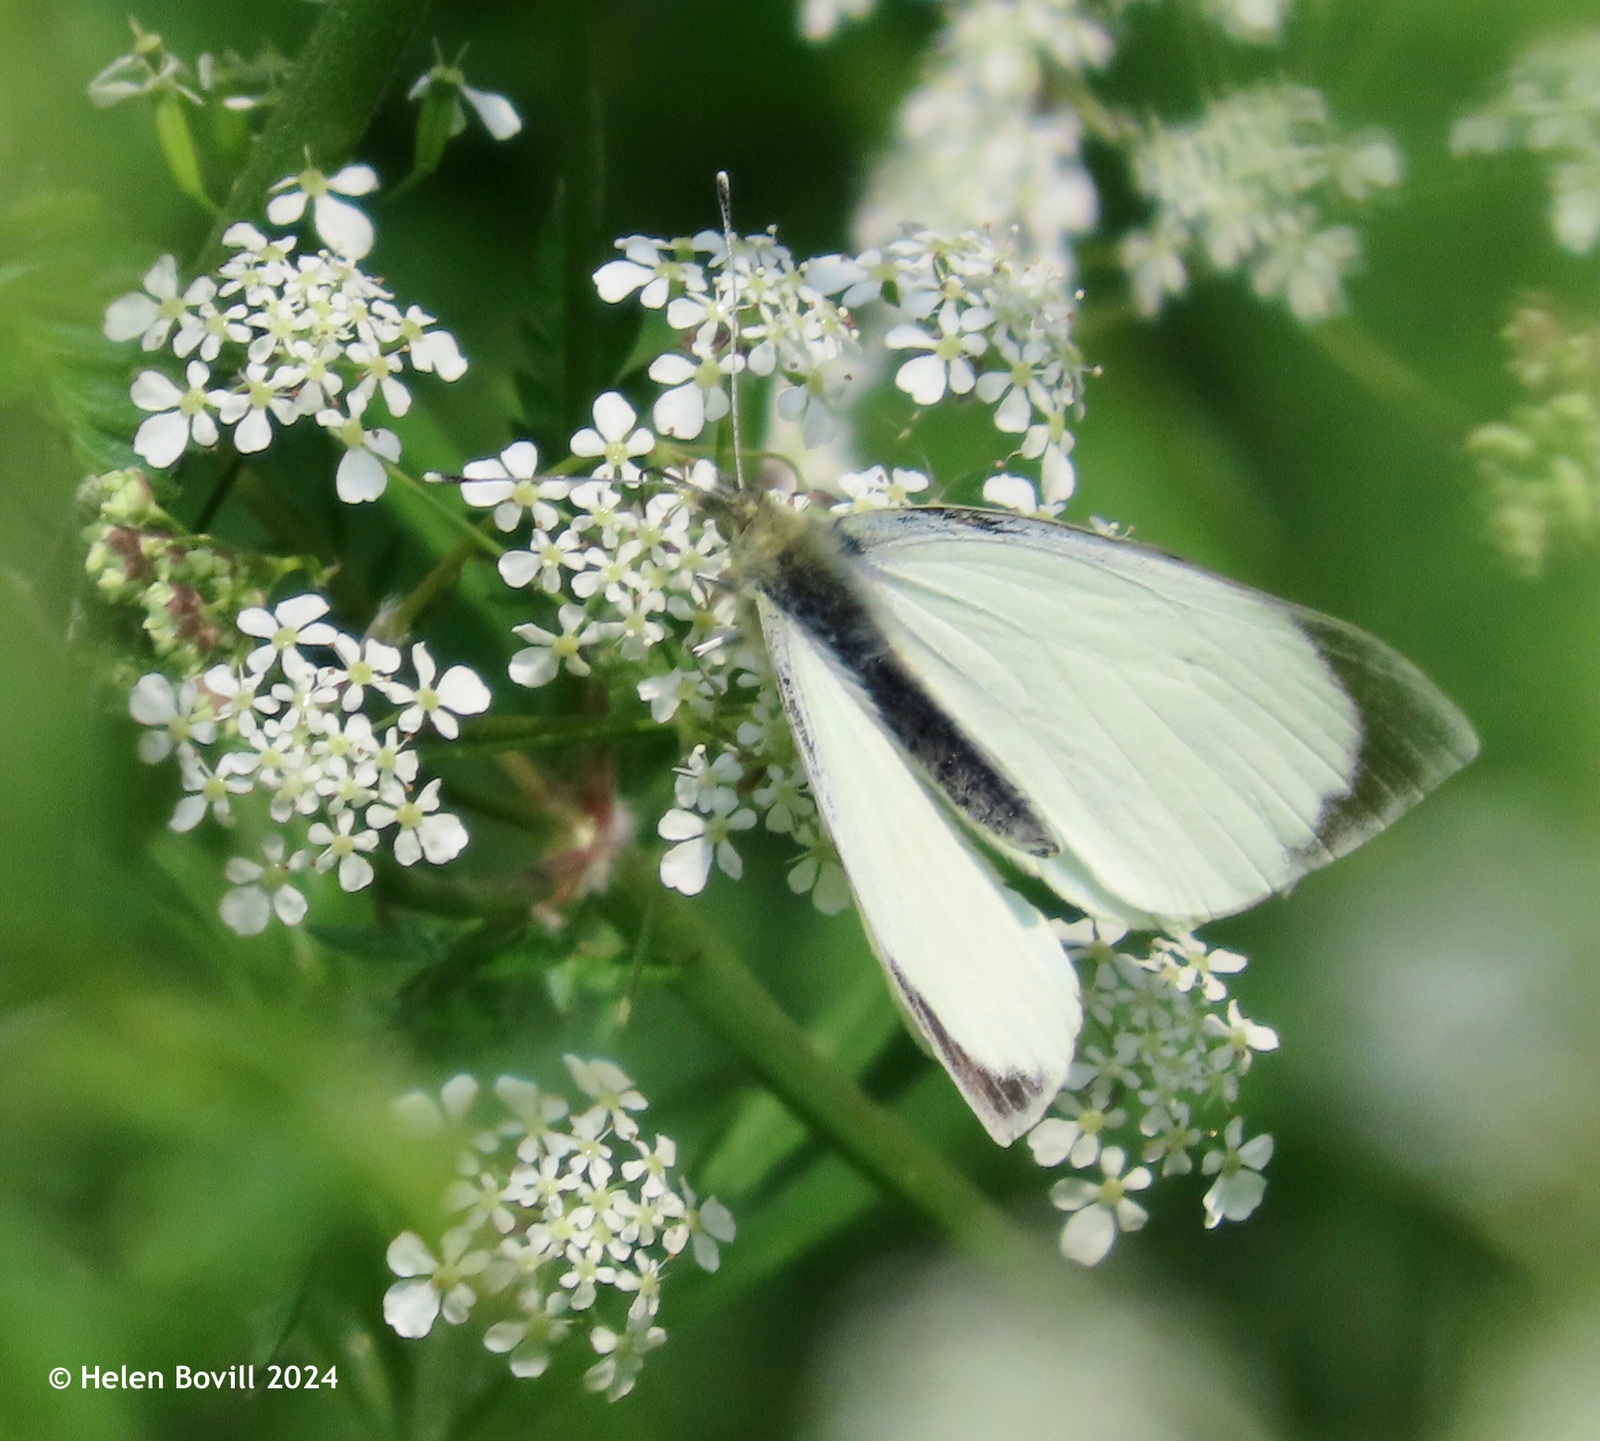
1194, 745
975, 967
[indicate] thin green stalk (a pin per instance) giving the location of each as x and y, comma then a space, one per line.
873, 1139
516, 732
432, 586
339, 78
218, 497
470, 532
1361, 355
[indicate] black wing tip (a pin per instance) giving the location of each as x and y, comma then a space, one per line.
1413, 737
1009, 1104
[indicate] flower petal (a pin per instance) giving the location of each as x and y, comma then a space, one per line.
411, 1307
162, 439
129, 316
344, 228
1088, 1235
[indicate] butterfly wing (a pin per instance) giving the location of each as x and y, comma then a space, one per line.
1192, 745
976, 968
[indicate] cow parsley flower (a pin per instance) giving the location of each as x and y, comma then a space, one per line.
273, 337
422, 830
362, 473
445, 83
562, 1218
179, 415
984, 139
821, 19
548, 653
264, 888
281, 738
293, 622
1237, 1165
431, 1286
458, 692
1550, 105
1253, 22
700, 839
344, 229
1244, 187
614, 440
150, 315
1150, 1079
1100, 1209
513, 488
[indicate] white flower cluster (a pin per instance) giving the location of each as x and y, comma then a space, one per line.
1251, 22
1244, 187
630, 564
558, 1218
983, 139
976, 318
821, 19
764, 316
1540, 467
1550, 105
293, 732
1159, 1064
289, 337
627, 566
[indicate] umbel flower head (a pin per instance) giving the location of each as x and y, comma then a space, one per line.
275, 336
285, 738
1550, 105
1160, 1059
564, 1217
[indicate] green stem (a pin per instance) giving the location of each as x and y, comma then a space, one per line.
516, 732
339, 78
218, 497
471, 534
582, 186
431, 587
873, 1139
1361, 355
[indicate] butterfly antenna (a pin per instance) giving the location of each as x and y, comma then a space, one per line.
725, 204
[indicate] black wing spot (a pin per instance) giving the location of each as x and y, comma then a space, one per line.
1008, 1096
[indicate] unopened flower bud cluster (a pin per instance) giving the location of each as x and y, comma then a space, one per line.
274, 337
286, 741
188, 589
1155, 1083
1540, 467
563, 1219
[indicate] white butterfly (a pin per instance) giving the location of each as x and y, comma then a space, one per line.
1158, 745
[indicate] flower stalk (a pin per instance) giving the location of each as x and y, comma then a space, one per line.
338, 80
872, 1138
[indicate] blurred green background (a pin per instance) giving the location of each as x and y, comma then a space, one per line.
192, 1164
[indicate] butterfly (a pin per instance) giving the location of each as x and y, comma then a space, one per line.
975, 691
